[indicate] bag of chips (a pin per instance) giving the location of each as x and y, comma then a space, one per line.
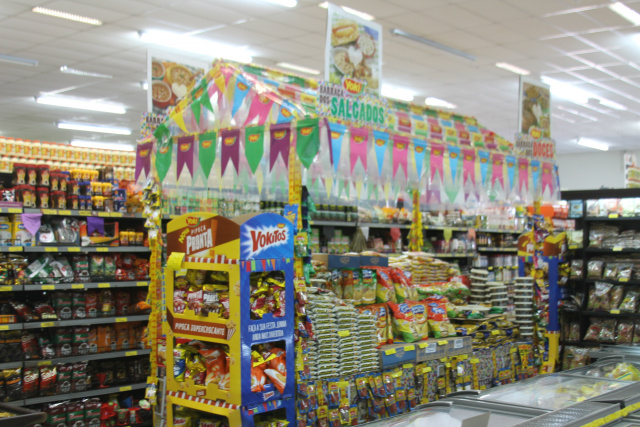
404, 322
420, 314
630, 301
625, 332
439, 324
600, 297
385, 292
617, 293
368, 284
402, 285
380, 314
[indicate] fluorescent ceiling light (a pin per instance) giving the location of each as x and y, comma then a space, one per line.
18, 61
66, 70
578, 113
196, 45
144, 85
285, 3
102, 145
81, 104
590, 143
626, 12
298, 68
440, 46
363, 15
397, 93
577, 95
65, 15
437, 102
512, 68
94, 128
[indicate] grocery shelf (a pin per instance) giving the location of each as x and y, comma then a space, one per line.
11, 248
612, 313
500, 267
331, 224
446, 227
10, 365
10, 210
383, 225
86, 321
612, 218
492, 230
84, 394
615, 250
86, 249
84, 357
10, 326
66, 286
615, 282
72, 212
481, 249
460, 255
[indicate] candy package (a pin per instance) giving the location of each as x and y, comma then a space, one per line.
599, 297
402, 285
420, 315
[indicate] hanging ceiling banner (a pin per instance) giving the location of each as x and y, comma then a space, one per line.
534, 115
353, 49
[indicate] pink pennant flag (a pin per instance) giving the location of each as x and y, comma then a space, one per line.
230, 149
468, 166
404, 122
547, 177
497, 169
523, 173
358, 144
260, 108
400, 150
437, 160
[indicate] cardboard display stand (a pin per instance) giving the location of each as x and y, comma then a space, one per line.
238, 247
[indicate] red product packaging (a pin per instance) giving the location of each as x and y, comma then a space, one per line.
43, 197
43, 175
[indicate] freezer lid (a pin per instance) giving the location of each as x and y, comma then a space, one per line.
523, 411
626, 396
573, 416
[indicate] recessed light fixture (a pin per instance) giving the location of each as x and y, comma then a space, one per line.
512, 68
196, 45
626, 12
590, 143
66, 70
401, 33
102, 145
437, 102
18, 61
285, 3
81, 104
94, 128
65, 15
363, 15
397, 93
298, 68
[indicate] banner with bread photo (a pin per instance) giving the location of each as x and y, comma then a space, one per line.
353, 49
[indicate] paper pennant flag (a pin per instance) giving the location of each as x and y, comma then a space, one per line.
254, 146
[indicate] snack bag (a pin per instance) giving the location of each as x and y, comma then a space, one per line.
402, 285
368, 284
625, 332
630, 301
420, 314
404, 323
608, 331
385, 291
600, 297
616, 297
438, 321
349, 280
381, 315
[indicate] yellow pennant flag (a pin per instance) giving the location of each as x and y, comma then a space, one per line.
328, 183
179, 120
259, 180
387, 190
358, 188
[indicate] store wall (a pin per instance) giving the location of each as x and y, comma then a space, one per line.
588, 171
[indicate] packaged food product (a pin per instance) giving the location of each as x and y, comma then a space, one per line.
381, 315
630, 301
439, 325
420, 314
608, 331
577, 269
403, 286
385, 291
610, 271
349, 279
594, 269
404, 323
617, 293
599, 297
624, 333
368, 282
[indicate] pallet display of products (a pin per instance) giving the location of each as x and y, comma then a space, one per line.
230, 315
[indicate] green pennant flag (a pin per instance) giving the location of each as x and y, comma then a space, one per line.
196, 107
205, 100
254, 146
164, 155
207, 146
308, 140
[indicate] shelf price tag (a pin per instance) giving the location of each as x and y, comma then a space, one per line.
47, 287
103, 214
15, 249
84, 213
116, 214
46, 324
407, 366
614, 215
142, 283
104, 285
73, 249
390, 351
426, 370
121, 319
474, 361
4, 327
175, 260
14, 210
615, 311
6, 288
77, 286
409, 348
51, 249
44, 363
623, 279
49, 212
125, 388
102, 249
617, 248
64, 212
131, 353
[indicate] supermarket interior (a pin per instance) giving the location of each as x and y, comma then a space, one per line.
220, 213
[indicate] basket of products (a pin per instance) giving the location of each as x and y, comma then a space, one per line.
15, 416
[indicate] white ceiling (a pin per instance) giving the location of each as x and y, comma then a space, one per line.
580, 42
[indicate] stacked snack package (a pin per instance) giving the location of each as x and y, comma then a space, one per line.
424, 268
346, 339
323, 356
367, 342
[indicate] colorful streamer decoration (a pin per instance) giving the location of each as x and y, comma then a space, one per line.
336, 131
240, 92
511, 170
307, 140
185, 154
380, 143
358, 143
143, 159
454, 157
230, 149
254, 146
523, 174
437, 161
260, 107
547, 177
280, 144
535, 174
419, 153
484, 157
400, 151
468, 166
207, 147
497, 169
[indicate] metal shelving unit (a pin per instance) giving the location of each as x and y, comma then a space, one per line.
498, 250
82, 394
67, 286
82, 358
86, 321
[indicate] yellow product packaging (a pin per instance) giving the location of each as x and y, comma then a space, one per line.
420, 315
404, 323
368, 284
385, 291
